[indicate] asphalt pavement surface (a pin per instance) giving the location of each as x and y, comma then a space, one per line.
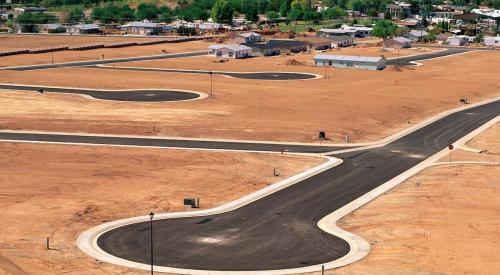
280, 231
405, 60
102, 61
166, 142
244, 75
116, 95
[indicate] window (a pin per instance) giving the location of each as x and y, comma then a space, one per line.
230, 54
330, 62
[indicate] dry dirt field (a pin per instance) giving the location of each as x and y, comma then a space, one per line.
14, 42
276, 63
445, 220
58, 191
367, 105
69, 56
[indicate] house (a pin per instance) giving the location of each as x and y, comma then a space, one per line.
210, 27
493, 41
53, 28
230, 51
416, 35
443, 37
458, 40
353, 31
341, 41
276, 46
143, 28
248, 37
399, 10
346, 61
19, 11
397, 43
315, 42
84, 29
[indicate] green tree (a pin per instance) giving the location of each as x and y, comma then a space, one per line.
334, 13
166, 14
75, 14
222, 11
29, 21
295, 14
272, 16
146, 11
384, 29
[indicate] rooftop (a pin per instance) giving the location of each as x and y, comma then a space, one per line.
348, 58
232, 47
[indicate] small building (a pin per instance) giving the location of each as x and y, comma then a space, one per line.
443, 37
248, 37
315, 42
346, 61
397, 43
84, 29
458, 40
341, 41
493, 41
352, 31
230, 51
277, 46
53, 28
416, 35
142, 28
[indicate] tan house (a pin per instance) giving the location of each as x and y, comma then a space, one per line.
315, 42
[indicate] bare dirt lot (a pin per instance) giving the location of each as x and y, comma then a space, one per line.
58, 191
30, 42
275, 63
367, 105
445, 220
14, 42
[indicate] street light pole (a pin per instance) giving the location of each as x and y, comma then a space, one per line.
151, 216
211, 84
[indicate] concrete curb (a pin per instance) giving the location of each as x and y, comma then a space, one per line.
407, 131
87, 241
201, 94
73, 64
358, 146
359, 247
220, 73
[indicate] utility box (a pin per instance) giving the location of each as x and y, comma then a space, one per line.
193, 202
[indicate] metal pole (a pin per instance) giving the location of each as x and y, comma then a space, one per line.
211, 85
322, 270
151, 216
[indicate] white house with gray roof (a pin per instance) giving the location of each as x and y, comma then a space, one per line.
248, 37
347, 61
230, 51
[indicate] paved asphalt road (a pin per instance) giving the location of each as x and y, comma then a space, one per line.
117, 95
253, 75
405, 60
280, 231
103, 61
165, 142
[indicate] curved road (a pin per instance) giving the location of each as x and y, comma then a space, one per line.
279, 231
102, 61
244, 75
405, 60
116, 95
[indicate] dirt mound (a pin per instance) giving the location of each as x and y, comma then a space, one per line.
295, 62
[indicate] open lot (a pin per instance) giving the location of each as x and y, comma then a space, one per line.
445, 220
58, 191
14, 42
366, 105
275, 63
8, 42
